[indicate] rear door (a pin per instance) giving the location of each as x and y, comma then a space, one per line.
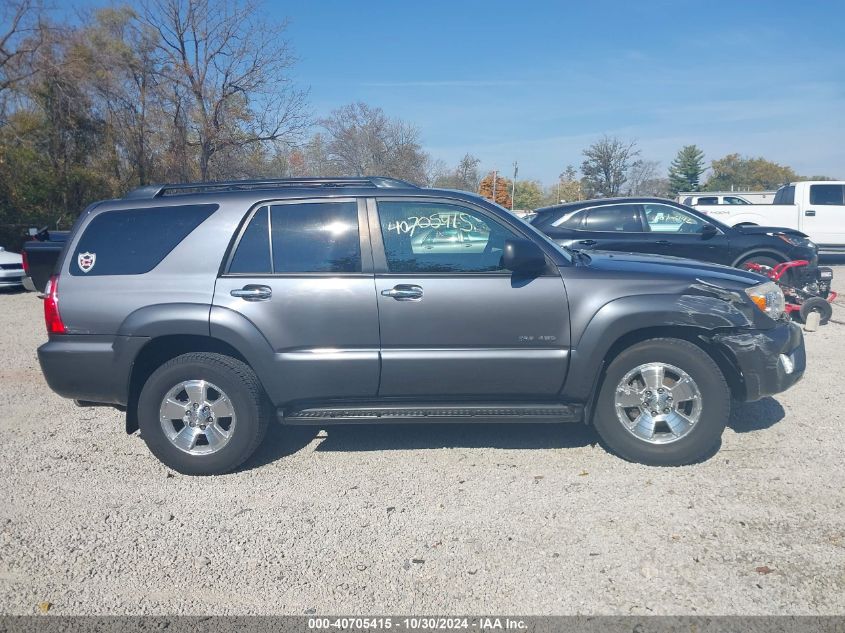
824, 218
454, 323
301, 272
611, 227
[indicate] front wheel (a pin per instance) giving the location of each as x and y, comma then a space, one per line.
203, 413
663, 402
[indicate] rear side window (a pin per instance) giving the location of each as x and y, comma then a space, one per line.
253, 254
785, 195
708, 200
134, 241
570, 220
616, 217
320, 237
827, 194
312, 237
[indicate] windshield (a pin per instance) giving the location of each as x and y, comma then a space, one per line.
534, 231
707, 218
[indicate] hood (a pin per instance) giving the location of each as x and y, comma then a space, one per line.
674, 267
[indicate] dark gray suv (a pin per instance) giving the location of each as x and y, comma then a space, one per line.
207, 310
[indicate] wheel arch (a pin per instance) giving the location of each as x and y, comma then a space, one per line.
625, 322
158, 351
176, 329
766, 252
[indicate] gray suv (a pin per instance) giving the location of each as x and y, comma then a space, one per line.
208, 310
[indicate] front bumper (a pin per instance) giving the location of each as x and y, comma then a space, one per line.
11, 278
769, 361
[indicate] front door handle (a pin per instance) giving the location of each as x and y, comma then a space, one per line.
588, 242
810, 212
404, 292
253, 293
663, 242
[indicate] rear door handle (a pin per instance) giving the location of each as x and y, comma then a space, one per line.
253, 293
663, 242
404, 292
810, 212
587, 242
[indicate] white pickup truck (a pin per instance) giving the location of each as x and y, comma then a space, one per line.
816, 208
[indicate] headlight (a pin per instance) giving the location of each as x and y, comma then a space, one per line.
768, 297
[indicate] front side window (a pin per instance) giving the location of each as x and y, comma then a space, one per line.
662, 218
827, 194
435, 237
614, 217
313, 237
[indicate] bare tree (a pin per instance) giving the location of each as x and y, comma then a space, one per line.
465, 176
119, 59
21, 36
641, 176
362, 141
606, 163
232, 66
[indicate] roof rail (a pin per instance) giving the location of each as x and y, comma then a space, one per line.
158, 191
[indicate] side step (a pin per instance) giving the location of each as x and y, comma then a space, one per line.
416, 413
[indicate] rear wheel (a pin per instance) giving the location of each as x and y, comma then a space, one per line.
663, 402
203, 413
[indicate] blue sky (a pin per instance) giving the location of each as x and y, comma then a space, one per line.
539, 81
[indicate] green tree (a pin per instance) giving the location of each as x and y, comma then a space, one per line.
686, 169
528, 195
735, 172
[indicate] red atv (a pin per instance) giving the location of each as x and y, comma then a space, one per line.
806, 289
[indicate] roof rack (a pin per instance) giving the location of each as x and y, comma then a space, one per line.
158, 191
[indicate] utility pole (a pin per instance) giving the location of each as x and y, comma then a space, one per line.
495, 173
513, 184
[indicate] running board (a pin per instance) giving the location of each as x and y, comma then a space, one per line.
416, 413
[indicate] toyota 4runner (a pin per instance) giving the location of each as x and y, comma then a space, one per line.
208, 310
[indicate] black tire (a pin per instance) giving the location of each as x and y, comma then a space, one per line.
705, 434
816, 304
763, 260
245, 392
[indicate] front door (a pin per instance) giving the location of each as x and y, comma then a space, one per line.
454, 323
824, 219
675, 232
302, 275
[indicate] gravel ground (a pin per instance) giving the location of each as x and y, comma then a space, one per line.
444, 519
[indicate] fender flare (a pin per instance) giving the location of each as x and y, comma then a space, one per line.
698, 314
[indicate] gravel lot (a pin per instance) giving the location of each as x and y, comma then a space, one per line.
445, 519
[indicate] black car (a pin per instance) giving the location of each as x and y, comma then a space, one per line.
663, 227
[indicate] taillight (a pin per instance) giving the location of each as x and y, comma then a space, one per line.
51, 308
25, 263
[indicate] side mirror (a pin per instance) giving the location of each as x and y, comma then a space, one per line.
523, 256
708, 231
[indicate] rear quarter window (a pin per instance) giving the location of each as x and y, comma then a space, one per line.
134, 241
